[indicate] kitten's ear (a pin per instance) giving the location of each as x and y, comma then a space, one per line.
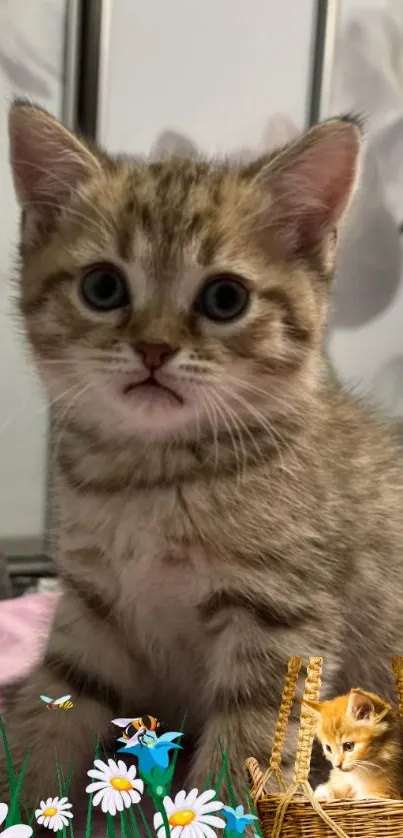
315, 706
364, 706
48, 163
311, 184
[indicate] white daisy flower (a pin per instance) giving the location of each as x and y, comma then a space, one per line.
116, 787
54, 813
19, 830
190, 815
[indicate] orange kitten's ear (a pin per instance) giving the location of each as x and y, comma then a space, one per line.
311, 184
364, 706
315, 706
48, 163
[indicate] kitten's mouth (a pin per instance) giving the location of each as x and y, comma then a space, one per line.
150, 386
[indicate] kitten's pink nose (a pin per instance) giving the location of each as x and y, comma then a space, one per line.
154, 355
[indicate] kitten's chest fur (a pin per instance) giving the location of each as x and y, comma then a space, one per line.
157, 566
161, 588
166, 553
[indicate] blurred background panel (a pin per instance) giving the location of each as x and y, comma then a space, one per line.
366, 325
214, 71
32, 65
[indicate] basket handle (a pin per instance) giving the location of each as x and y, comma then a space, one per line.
303, 759
397, 666
259, 779
308, 721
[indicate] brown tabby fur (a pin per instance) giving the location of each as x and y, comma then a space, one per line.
195, 561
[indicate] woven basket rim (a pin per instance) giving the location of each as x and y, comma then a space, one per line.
345, 803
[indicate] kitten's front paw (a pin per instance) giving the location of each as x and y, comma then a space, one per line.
323, 793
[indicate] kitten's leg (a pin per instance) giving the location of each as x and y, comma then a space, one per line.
242, 698
324, 792
85, 657
243, 732
337, 788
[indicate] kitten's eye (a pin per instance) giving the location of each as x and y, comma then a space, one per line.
223, 298
103, 288
328, 748
348, 746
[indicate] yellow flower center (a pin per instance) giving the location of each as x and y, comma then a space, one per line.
121, 783
49, 812
182, 818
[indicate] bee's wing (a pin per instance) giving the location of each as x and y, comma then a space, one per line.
46, 699
62, 699
121, 722
134, 739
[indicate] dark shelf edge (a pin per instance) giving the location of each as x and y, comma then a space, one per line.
36, 566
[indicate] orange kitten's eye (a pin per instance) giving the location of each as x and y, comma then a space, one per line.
223, 298
103, 288
348, 746
328, 748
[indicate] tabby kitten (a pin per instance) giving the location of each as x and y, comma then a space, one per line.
222, 505
361, 735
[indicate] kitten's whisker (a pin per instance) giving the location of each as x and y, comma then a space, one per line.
228, 412
240, 424
41, 410
51, 402
241, 383
370, 766
273, 430
247, 430
213, 424
260, 420
263, 422
72, 404
78, 361
213, 404
234, 424
198, 426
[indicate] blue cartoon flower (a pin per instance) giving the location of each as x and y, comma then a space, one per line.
152, 753
236, 819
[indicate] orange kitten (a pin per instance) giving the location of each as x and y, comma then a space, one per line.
361, 736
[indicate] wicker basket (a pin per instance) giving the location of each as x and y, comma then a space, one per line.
294, 812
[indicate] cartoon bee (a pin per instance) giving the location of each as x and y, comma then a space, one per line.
62, 703
134, 730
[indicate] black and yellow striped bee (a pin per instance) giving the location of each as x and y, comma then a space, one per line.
62, 703
138, 727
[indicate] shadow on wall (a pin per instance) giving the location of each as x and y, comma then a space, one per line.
368, 80
388, 386
370, 266
279, 131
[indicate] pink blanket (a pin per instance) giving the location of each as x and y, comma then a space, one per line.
24, 623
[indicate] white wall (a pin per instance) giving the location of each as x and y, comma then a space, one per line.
31, 58
352, 7
214, 70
